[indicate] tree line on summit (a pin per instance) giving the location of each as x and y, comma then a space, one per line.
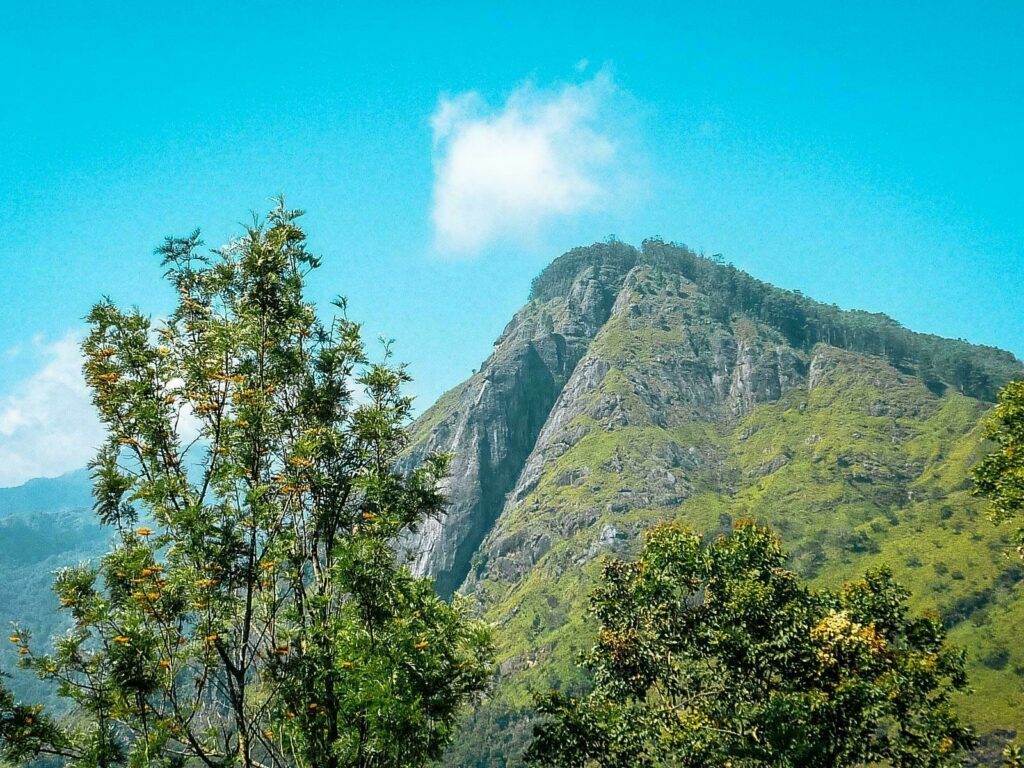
252, 610
973, 370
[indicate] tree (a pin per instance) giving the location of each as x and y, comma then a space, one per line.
715, 655
1000, 475
252, 611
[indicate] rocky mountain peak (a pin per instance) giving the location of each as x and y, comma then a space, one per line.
705, 343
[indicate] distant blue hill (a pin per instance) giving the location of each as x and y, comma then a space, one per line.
48, 494
45, 524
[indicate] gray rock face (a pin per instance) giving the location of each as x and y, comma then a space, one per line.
491, 422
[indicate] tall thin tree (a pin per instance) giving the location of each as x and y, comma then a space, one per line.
253, 611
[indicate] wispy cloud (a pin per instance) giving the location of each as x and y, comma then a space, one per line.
503, 173
47, 422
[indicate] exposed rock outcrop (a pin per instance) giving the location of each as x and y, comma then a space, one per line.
491, 422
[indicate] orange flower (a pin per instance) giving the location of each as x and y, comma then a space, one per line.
421, 645
122, 640
144, 531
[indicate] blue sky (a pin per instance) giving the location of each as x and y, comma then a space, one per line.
868, 154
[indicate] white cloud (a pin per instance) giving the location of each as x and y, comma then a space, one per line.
47, 422
504, 173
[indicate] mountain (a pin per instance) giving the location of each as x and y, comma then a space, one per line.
45, 524
641, 385
48, 494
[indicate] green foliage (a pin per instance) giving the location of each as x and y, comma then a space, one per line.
252, 611
606, 261
1013, 757
715, 654
26, 730
1000, 475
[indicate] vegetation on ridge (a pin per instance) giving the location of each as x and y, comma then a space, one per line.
974, 370
1000, 475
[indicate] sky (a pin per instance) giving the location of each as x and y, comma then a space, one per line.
868, 154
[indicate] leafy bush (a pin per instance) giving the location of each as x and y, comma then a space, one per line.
714, 654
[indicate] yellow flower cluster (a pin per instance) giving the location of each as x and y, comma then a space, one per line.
837, 635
